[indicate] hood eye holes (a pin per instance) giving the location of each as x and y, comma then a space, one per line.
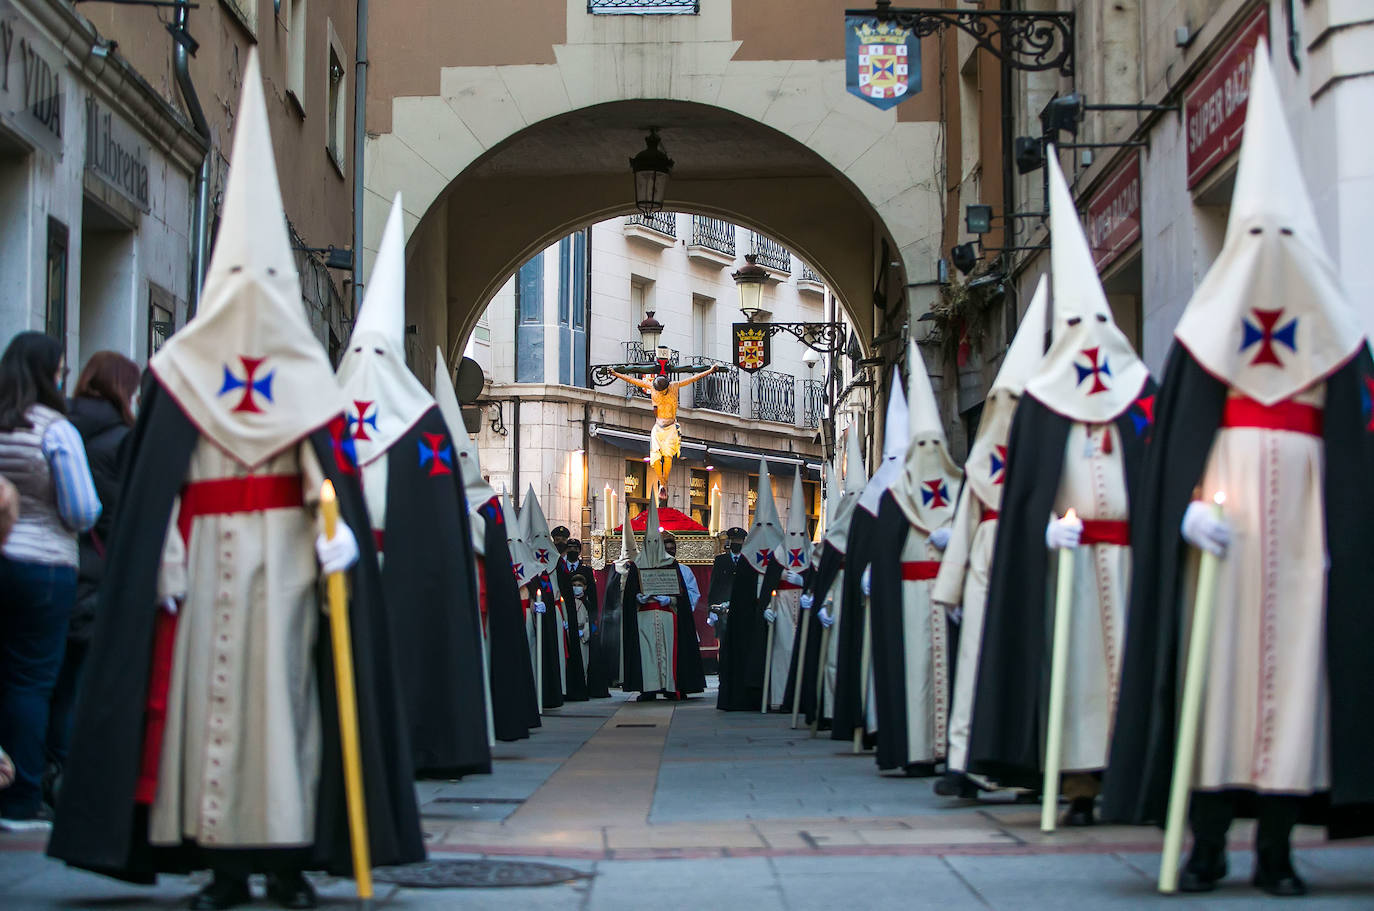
1287, 232
1256, 230
379, 350
358, 350
1101, 317
1075, 320
235, 270
920, 442
271, 270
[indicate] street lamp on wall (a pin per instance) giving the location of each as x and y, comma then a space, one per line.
750, 280
650, 331
652, 168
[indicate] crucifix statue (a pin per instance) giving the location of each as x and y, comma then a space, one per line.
665, 443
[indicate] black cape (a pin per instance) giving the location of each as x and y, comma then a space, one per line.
514, 703
687, 661
804, 664
577, 687
848, 712
99, 826
431, 599
1006, 735
820, 581
746, 638
553, 642
606, 639
1188, 413
722, 577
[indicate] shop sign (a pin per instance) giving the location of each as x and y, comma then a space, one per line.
31, 82
1214, 105
1114, 214
114, 154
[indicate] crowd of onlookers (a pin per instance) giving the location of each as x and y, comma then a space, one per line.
61, 462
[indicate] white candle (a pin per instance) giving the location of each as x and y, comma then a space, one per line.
607, 509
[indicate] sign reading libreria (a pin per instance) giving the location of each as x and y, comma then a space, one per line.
882, 61
114, 154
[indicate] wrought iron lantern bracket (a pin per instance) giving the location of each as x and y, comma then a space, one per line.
601, 373
1022, 39
827, 338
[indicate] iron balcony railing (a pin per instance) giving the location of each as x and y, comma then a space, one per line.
772, 254
809, 274
720, 390
775, 397
662, 222
813, 402
644, 7
635, 354
713, 234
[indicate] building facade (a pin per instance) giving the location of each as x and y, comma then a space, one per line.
576, 305
102, 154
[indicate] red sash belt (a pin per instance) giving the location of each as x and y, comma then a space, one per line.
1287, 415
219, 497
379, 540
787, 587
920, 570
1102, 531
990, 516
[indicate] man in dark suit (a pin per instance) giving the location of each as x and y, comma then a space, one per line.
723, 576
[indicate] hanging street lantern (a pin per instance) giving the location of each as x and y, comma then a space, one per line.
650, 331
750, 280
651, 168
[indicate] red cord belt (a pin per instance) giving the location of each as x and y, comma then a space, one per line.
1103, 531
920, 570
1288, 415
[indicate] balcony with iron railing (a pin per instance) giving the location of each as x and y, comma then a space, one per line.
720, 390
644, 7
659, 228
635, 354
712, 241
771, 254
774, 397
813, 402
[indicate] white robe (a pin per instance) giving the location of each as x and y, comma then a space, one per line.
240, 756
658, 646
786, 604
926, 658
826, 706
1266, 712
1093, 483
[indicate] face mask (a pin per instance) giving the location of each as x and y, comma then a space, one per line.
579, 591
574, 556
736, 547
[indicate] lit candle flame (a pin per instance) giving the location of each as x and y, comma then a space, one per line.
1219, 498
1070, 515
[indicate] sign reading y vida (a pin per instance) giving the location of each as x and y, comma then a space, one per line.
31, 99
882, 61
753, 350
1114, 214
1214, 105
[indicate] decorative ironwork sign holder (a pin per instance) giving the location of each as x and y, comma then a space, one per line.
1022, 39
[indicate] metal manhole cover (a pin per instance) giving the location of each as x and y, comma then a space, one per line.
476, 874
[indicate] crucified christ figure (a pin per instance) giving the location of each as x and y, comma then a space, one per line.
665, 443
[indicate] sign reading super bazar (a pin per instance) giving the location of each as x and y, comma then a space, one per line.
1214, 106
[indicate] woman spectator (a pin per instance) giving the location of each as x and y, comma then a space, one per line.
41, 453
102, 412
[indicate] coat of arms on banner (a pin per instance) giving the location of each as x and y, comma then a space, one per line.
882, 61
752, 349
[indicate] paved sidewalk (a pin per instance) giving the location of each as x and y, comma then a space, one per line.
680, 806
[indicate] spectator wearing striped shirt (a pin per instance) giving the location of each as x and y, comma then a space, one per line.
42, 454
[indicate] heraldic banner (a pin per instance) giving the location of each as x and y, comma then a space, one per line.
882, 61
752, 349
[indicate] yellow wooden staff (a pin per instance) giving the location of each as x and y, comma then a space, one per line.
348, 708
768, 657
1059, 678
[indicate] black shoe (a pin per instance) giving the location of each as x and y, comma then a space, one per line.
957, 784
1080, 812
223, 892
646, 697
1205, 868
1280, 879
290, 890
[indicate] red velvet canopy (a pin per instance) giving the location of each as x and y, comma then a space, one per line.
669, 519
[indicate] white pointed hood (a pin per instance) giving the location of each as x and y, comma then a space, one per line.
521, 560
840, 511
384, 397
478, 489
1091, 374
534, 528
248, 371
1270, 318
766, 533
894, 448
629, 548
796, 545
987, 458
929, 482
654, 555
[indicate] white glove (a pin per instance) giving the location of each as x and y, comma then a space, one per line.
1203, 529
770, 615
955, 612
169, 605
724, 605
583, 634
793, 578
940, 538
711, 619
540, 607
1062, 533
565, 624
866, 580
827, 621
665, 600
642, 598
338, 553
807, 600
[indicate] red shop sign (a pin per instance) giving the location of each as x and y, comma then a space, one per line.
1114, 214
1214, 105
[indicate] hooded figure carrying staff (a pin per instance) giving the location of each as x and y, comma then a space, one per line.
1268, 398
207, 732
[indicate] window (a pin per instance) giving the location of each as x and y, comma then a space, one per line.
636, 486
812, 492
703, 325
246, 12
701, 496
572, 309
55, 323
751, 500
644, 7
161, 317
293, 18
337, 138
529, 322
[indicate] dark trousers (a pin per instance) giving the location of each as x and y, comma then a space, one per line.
35, 605
1210, 815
